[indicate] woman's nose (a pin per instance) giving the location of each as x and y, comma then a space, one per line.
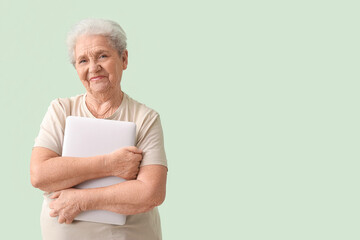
94, 67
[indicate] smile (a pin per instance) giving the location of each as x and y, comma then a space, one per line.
96, 78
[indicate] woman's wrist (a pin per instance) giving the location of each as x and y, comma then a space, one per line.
107, 166
85, 199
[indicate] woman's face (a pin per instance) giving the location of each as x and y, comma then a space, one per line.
98, 64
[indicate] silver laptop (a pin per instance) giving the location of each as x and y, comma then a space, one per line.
86, 137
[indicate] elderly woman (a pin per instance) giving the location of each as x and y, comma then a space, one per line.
97, 49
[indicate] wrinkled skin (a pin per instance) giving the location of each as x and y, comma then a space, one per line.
66, 205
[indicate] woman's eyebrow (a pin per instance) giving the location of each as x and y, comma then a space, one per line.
79, 57
96, 53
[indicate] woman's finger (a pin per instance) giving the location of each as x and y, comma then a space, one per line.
55, 195
61, 219
53, 213
134, 149
68, 221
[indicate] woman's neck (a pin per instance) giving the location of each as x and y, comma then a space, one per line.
103, 106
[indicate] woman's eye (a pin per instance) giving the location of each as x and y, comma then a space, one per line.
82, 61
103, 56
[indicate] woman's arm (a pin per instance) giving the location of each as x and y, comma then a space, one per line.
130, 197
50, 172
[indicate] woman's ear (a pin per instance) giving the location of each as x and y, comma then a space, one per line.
124, 58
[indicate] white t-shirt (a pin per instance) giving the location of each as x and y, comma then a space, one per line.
149, 138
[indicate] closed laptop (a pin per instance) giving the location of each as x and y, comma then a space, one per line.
86, 137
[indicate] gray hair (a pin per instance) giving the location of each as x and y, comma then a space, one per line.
110, 29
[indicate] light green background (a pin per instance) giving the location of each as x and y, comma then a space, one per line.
259, 103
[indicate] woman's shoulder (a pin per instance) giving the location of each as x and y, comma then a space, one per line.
140, 108
67, 102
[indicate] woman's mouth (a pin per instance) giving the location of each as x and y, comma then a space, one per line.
96, 78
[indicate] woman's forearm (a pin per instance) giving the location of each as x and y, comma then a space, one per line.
130, 197
64, 172
126, 198
50, 172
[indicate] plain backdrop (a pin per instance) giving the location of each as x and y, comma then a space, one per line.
259, 102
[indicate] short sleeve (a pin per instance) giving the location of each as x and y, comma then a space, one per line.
51, 132
151, 142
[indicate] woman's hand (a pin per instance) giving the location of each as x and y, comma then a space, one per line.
66, 205
124, 162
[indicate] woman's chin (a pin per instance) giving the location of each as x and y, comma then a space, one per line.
99, 88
